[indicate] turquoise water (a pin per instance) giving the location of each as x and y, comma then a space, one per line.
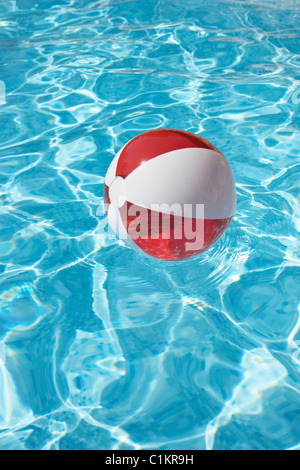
100, 347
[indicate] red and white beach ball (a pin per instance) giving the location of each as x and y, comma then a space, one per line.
169, 193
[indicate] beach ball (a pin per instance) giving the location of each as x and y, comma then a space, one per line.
169, 194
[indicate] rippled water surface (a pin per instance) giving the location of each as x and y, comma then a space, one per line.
102, 348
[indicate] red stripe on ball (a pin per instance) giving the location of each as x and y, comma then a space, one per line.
170, 248
153, 143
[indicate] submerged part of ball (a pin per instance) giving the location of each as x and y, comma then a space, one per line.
170, 194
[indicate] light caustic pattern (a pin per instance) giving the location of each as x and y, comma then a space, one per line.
107, 349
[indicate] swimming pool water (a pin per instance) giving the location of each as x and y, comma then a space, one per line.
100, 347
